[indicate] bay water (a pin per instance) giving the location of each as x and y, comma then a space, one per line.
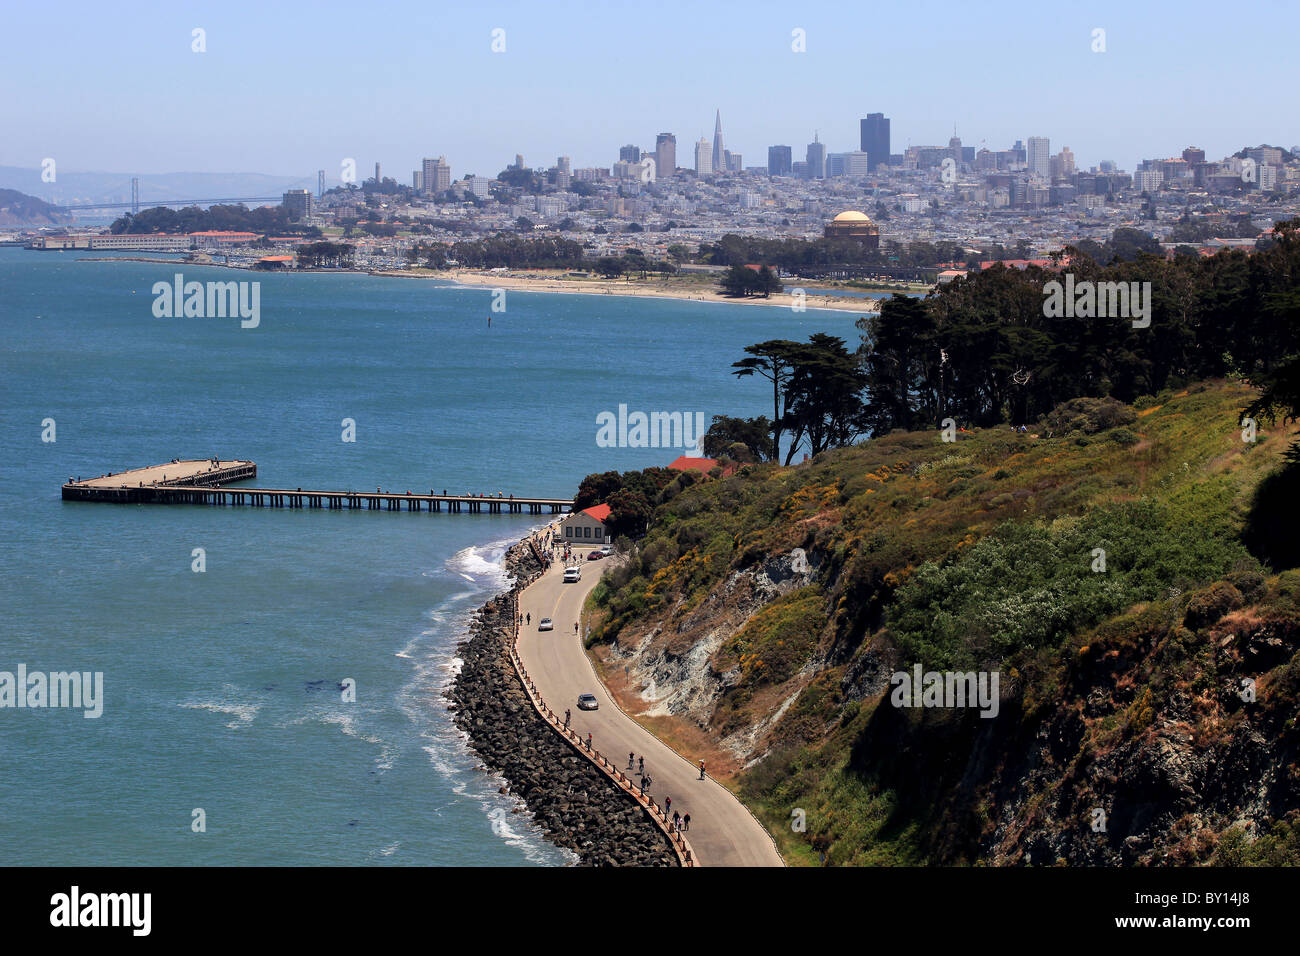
221, 687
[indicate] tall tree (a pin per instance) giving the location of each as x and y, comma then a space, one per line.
772, 360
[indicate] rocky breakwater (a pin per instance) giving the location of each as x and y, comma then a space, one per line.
575, 804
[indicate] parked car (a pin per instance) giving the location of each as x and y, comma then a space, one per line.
596, 555
572, 574
546, 624
588, 702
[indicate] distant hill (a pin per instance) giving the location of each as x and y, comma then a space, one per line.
19, 209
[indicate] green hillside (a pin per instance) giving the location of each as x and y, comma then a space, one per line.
1121, 674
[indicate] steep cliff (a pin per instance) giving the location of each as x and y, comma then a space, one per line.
1143, 659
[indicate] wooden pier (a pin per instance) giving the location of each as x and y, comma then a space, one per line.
200, 483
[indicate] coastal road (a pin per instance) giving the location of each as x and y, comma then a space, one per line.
723, 832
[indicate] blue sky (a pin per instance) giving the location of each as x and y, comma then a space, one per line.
288, 88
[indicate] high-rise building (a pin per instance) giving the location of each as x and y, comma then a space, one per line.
1039, 156
719, 154
436, 175
320, 182
779, 161
629, 154
417, 180
734, 162
297, 202
703, 158
665, 155
563, 165
1193, 155
816, 158
378, 178
1067, 162
875, 139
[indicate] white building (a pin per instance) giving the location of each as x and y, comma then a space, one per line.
586, 526
1039, 154
703, 158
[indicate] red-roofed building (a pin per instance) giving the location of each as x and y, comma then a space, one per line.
586, 526
702, 465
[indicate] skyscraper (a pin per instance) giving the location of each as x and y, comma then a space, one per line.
719, 154
1039, 156
436, 175
875, 139
779, 161
703, 158
816, 158
629, 154
665, 155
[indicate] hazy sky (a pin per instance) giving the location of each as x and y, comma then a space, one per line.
290, 88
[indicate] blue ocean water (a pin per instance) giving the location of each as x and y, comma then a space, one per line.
221, 688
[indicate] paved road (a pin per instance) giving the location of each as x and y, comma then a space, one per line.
722, 833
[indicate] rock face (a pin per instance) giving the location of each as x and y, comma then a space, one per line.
577, 805
676, 665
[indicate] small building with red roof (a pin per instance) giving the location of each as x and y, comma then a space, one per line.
687, 463
702, 465
586, 526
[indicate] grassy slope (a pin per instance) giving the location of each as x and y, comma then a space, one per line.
971, 554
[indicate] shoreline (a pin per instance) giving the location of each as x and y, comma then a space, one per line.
615, 287
819, 302
572, 802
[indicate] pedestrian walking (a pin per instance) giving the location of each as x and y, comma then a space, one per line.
640, 764
686, 822
588, 740
648, 781
566, 716
630, 756
701, 769
529, 617
668, 804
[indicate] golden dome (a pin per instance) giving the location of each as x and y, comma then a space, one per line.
852, 215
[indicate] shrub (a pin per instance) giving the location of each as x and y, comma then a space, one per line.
1206, 606
1122, 436
1090, 415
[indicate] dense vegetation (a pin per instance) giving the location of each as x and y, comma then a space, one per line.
267, 220
1127, 563
983, 350
986, 553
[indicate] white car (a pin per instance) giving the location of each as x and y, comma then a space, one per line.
546, 624
572, 574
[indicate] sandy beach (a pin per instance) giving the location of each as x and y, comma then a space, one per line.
639, 288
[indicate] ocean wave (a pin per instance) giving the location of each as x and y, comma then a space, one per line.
244, 713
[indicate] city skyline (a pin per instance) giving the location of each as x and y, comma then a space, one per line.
235, 106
